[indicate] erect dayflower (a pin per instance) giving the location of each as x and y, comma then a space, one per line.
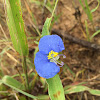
46, 60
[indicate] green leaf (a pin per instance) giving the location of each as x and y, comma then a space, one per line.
74, 84
36, 50
87, 10
16, 26
82, 5
55, 88
9, 80
89, 14
94, 92
45, 30
93, 10
80, 88
14, 84
96, 33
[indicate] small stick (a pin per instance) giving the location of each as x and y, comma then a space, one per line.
73, 39
76, 40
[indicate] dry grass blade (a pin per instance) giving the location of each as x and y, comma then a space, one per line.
10, 56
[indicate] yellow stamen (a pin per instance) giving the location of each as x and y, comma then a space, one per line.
52, 54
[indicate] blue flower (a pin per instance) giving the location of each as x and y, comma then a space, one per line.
46, 59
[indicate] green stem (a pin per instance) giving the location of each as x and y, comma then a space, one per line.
54, 9
26, 76
25, 72
34, 80
53, 12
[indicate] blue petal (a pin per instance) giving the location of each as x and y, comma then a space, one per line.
45, 68
51, 42
40, 58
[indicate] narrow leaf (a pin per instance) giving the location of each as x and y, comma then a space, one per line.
89, 14
14, 84
96, 33
82, 5
55, 88
80, 88
93, 10
16, 26
87, 10
9, 80
45, 30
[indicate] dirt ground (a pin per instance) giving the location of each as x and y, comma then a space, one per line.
83, 61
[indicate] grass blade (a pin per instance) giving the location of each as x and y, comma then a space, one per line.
80, 88
14, 84
96, 33
93, 10
9, 80
82, 5
87, 10
89, 14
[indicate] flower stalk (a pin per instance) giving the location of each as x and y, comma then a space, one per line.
25, 72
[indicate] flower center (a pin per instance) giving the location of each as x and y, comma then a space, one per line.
52, 54
54, 57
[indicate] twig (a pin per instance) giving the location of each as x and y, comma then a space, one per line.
32, 16
73, 39
94, 78
3, 32
76, 40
